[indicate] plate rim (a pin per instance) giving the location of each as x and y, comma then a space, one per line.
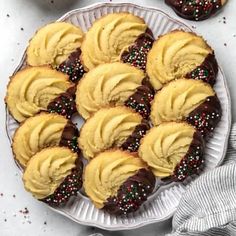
229, 117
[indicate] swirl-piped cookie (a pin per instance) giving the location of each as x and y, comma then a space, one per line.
196, 9
114, 84
115, 37
118, 182
36, 89
190, 100
53, 175
173, 150
111, 127
58, 44
42, 131
180, 54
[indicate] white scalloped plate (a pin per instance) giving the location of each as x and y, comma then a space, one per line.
163, 203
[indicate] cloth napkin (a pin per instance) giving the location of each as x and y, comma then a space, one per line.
208, 207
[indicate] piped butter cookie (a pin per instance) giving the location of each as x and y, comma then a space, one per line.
53, 175
114, 84
41, 131
36, 89
112, 127
58, 44
186, 99
114, 37
173, 150
118, 182
180, 54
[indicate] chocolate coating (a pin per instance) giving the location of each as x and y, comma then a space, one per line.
206, 116
69, 187
64, 104
193, 161
207, 71
73, 66
69, 137
133, 141
140, 101
131, 194
136, 54
195, 9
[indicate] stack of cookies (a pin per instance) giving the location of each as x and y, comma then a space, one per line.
148, 107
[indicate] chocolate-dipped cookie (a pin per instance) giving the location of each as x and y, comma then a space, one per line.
58, 44
115, 37
114, 84
180, 54
173, 151
41, 131
136, 54
118, 182
112, 127
53, 175
190, 100
196, 9
36, 89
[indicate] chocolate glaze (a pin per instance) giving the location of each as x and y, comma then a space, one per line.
64, 104
206, 116
73, 66
133, 141
207, 71
70, 136
193, 161
136, 54
69, 187
131, 194
140, 101
195, 9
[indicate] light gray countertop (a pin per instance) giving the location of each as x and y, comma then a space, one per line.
18, 21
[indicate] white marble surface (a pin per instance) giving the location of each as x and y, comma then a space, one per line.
18, 21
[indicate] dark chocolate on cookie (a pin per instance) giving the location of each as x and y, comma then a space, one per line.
114, 84
114, 127
173, 150
196, 9
191, 100
118, 182
53, 175
179, 54
58, 44
41, 131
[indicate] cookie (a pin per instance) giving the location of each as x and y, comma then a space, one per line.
173, 150
115, 37
112, 127
41, 131
36, 89
180, 54
114, 84
58, 44
53, 175
196, 9
118, 182
190, 100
